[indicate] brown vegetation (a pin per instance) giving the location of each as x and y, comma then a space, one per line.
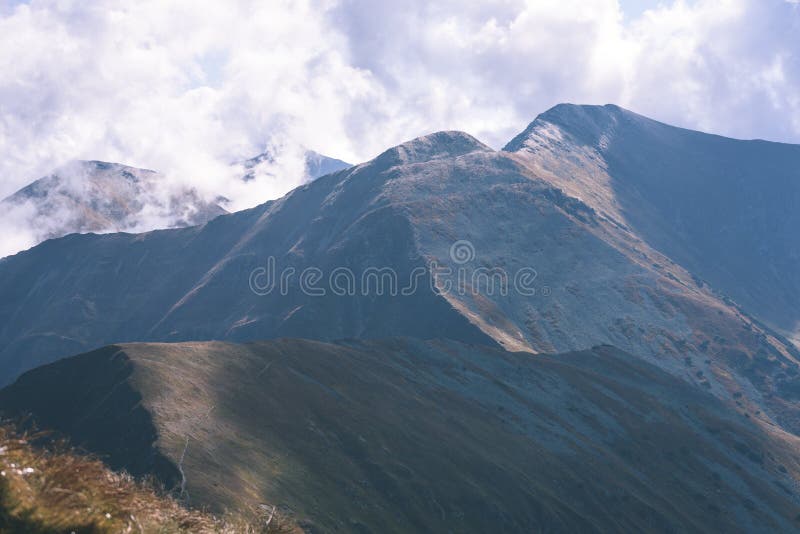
58, 490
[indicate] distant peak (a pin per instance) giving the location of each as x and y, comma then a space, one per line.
102, 165
432, 146
316, 164
587, 123
574, 115
581, 110
97, 165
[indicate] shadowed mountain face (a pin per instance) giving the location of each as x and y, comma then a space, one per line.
724, 209
595, 280
403, 435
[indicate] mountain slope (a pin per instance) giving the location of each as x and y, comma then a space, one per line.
403, 435
722, 208
594, 281
194, 283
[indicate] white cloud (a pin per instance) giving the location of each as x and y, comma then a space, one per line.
187, 87
727, 65
17, 234
133, 84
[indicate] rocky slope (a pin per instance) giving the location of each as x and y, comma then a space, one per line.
724, 209
402, 435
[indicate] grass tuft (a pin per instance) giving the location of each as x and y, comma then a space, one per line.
56, 489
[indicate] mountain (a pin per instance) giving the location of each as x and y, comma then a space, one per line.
96, 196
320, 165
316, 164
440, 201
193, 283
724, 209
402, 435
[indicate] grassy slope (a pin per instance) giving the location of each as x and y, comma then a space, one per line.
45, 491
402, 435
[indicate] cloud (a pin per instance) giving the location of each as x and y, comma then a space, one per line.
17, 234
169, 86
727, 66
189, 87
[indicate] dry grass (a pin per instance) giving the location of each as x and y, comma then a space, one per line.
54, 489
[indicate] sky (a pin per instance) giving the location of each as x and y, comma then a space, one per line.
187, 87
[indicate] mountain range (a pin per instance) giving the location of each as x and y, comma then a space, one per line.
102, 197
674, 253
600, 279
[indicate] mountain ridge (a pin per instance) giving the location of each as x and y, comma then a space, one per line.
401, 434
569, 114
703, 209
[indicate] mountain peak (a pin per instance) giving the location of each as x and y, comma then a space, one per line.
316, 164
566, 109
588, 123
99, 196
106, 165
79, 175
432, 146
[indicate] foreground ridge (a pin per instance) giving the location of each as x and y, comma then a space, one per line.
57, 489
402, 435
